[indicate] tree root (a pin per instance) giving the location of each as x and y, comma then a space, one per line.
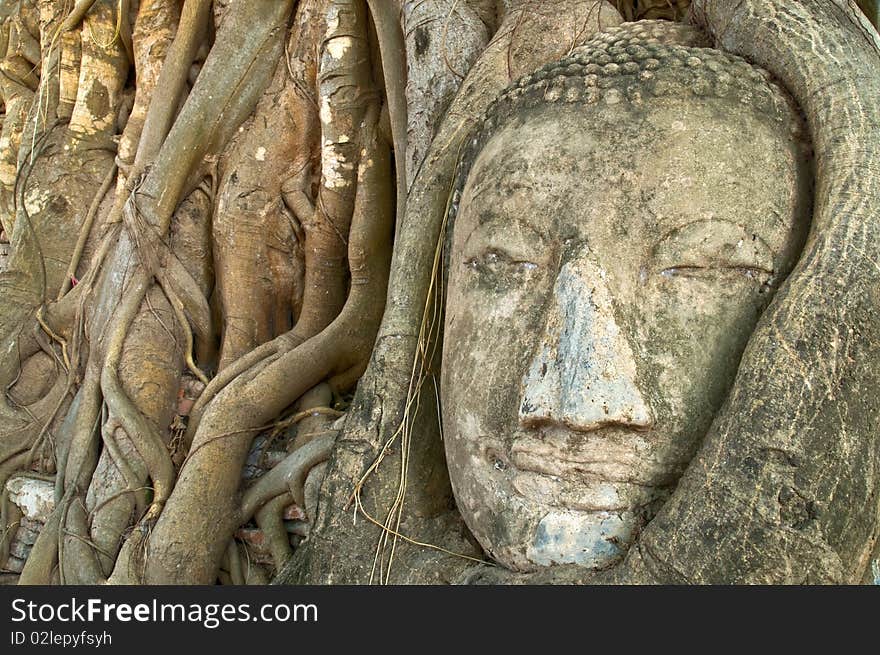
393, 49
270, 519
10, 520
347, 233
11, 517
132, 480
41, 563
79, 557
85, 230
312, 489
289, 475
209, 478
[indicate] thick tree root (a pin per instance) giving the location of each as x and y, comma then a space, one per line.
209, 478
289, 475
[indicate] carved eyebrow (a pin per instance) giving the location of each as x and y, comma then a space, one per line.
491, 217
492, 185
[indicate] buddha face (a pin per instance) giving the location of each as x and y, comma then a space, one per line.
607, 268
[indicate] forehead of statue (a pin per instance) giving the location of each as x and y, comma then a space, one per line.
675, 160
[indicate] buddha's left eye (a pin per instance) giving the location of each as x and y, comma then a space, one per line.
729, 273
716, 250
748, 272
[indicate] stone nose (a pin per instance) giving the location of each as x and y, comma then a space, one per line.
583, 374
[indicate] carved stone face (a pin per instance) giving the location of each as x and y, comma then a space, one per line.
607, 268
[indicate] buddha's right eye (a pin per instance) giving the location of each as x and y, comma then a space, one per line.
500, 265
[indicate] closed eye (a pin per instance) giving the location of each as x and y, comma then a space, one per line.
729, 274
751, 272
713, 248
496, 259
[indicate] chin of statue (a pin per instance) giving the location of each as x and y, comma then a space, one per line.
549, 500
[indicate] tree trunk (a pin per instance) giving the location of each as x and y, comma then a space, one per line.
221, 293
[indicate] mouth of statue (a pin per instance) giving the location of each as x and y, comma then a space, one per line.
585, 493
615, 478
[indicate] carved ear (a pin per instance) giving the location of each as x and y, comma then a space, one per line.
783, 489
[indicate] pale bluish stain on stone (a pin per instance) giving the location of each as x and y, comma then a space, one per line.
583, 538
584, 374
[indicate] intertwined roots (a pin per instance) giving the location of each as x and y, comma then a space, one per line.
213, 201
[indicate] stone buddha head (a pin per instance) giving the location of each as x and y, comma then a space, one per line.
621, 219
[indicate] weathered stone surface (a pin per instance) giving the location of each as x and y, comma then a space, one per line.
583, 374
604, 278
